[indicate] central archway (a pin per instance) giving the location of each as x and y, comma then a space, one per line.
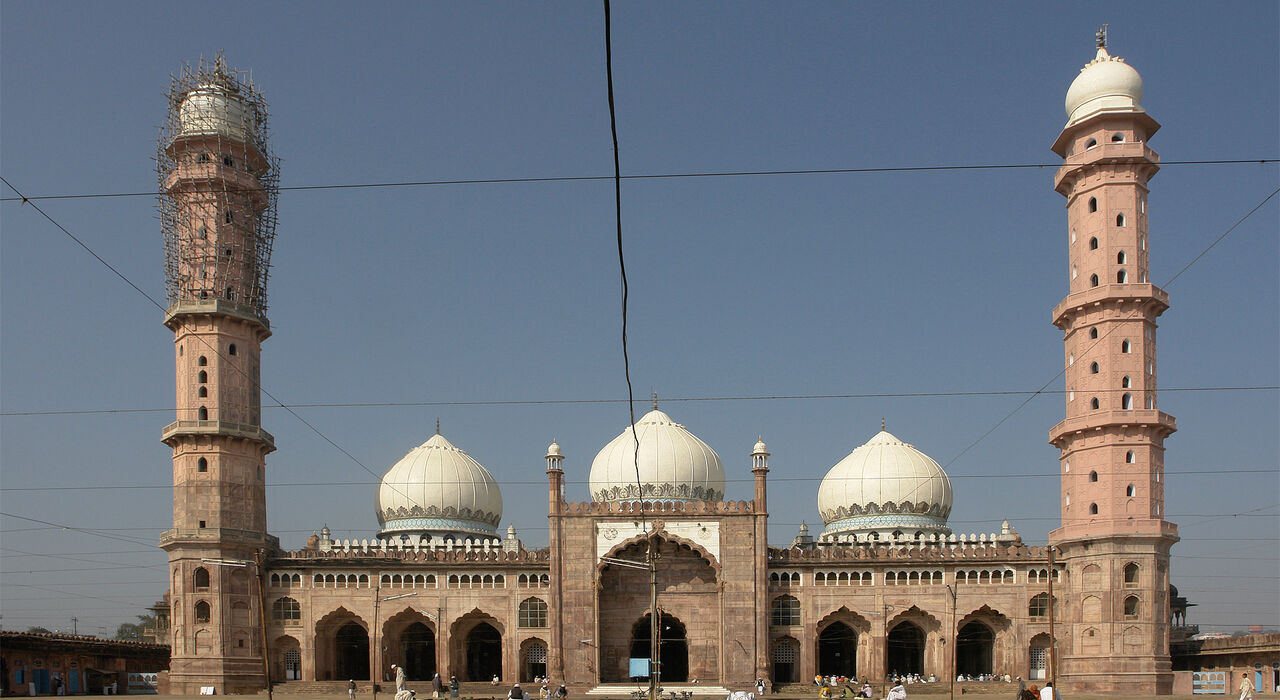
974, 644
418, 651
905, 653
838, 650
673, 647
351, 652
484, 652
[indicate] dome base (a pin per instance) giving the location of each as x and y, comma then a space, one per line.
437, 529
862, 528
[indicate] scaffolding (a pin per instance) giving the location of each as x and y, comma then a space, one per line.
219, 184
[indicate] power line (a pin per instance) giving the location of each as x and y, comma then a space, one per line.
650, 176
677, 399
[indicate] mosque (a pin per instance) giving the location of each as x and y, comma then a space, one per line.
885, 587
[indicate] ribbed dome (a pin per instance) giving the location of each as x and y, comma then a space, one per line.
883, 486
216, 109
1106, 84
674, 465
440, 490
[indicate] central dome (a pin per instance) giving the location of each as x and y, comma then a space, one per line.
673, 465
441, 491
883, 487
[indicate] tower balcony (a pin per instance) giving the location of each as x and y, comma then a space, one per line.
1162, 423
217, 307
181, 428
1134, 293
1124, 152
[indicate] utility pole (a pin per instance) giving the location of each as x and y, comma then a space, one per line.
953, 590
650, 564
1053, 642
375, 666
74, 620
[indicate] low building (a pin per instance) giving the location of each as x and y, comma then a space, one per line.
36, 663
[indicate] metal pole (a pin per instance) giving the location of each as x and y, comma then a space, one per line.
1053, 644
377, 671
955, 643
654, 619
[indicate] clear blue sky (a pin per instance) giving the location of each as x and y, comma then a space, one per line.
743, 286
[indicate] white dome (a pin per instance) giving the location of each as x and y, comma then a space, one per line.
1106, 84
882, 486
674, 465
438, 489
215, 109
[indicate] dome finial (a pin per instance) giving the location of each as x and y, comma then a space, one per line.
881, 423
437, 425
1101, 36
655, 400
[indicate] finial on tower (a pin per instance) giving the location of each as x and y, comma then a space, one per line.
881, 423
655, 400
1101, 36
437, 425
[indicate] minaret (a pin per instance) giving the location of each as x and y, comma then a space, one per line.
1114, 541
760, 473
555, 510
217, 213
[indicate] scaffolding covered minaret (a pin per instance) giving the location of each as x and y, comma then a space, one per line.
218, 216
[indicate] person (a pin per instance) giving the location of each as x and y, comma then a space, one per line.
1048, 692
561, 692
759, 687
866, 689
495, 680
817, 680
351, 688
453, 687
542, 691
1022, 688
516, 693
437, 686
1246, 687
897, 692
824, 692
400, 679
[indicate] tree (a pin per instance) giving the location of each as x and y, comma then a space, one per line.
141, 631
38, 630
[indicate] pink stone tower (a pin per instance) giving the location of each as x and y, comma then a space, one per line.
1114, 541
218, 218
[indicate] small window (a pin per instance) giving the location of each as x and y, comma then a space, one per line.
1130, 457
200, 577
1073, 234
179, 351
1068, 500
1093, 403
203, 361
202, 612
1093, 204
1093, 334
1124, 383
1093, 509
203, 392
227, 252
1090, 143
1093, 476
1093, 243
1119, 219
1131, 606
203, 376
202, 414
1071, 394
202, 158
201, 524
1122, 277
1093, 368
1126, 402
1067, 466
1121, 258
1074, 272
202, 465
203, 232
231, 349
1071, 359
1093, 280
1125, 347
1142, 243
1131, 572
1131, 491
229, 161
1151, 402
231, 293
786, 612
229, 216
1117, 138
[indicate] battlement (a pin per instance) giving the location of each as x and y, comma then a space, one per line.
468, 551
941, 551
649, 508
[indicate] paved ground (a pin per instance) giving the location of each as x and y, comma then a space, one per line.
939, 690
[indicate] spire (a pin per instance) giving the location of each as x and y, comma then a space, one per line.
437, 425
655, 400
881, 423
1101, 36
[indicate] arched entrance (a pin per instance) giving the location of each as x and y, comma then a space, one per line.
351, 652
418, 651
786, 661
1038, 657
974, 646
533, 660
838, 650
483, 652
673, 647
288, 659
905, 653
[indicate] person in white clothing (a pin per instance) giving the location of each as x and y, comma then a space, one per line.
1246, 687
1048, 692
897, 692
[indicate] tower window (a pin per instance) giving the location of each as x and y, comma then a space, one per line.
1073, 234
179, 351
202, 361
202, 610
1125, 347
1090, 143
202, 465
200, 577
229, 161
1130, 457
1131, 491
231, 293
231, 349
229, 216
202, 158
1093, 204
1093, 334
1071, 359
203, 232
1117, 138
1067, 466
1093, 243
1151, 402
1068, 500
1131, 577
1121, 257
1093, 477
1126, 402
1131, 606
203, 392
203, 377
1093, 280
1074, 272
1093, 403
1122, 276
1142, 205
227, 252
1142, 243
203, 413
1124, 383
1093, 368
1071, 395
1093, 509
1119, 219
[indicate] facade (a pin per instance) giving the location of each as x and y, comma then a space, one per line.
886, 588
47, 664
